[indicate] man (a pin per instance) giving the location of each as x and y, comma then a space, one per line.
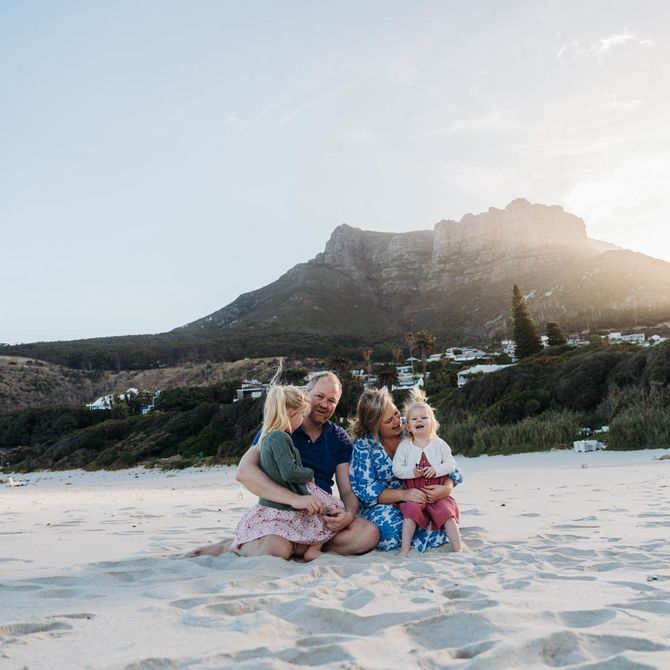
326, 449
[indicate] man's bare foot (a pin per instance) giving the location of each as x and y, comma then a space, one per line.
213, 549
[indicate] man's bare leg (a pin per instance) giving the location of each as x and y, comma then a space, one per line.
359, 537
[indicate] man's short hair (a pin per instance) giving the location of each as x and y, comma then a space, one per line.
320, 375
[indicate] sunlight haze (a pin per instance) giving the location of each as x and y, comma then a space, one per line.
159, 159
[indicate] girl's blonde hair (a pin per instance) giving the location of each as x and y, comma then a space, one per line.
417, 400
279, 401
369, 412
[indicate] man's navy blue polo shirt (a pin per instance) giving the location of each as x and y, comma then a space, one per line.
323, 456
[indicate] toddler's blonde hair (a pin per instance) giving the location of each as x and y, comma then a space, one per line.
417, 400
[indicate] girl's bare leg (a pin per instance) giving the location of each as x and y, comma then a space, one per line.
408, 528
312, 552
454, 534
214, 549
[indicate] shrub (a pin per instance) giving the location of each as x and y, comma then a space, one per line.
641, 426
549, 430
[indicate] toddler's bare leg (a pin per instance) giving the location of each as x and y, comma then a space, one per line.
312, 552
454, 534
408, 528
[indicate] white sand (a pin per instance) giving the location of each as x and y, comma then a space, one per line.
566, 567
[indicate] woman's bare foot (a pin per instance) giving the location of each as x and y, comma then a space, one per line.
213, 549
404, 551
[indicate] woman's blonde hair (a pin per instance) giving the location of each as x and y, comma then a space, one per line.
369, 412
417, 399
279, 401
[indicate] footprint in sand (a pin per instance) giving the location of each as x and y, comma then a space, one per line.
450, 631
586, 618
13, 630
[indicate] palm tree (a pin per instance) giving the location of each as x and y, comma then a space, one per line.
367, 359
397, 355
339, 364
411, 342
426, 342
387, 375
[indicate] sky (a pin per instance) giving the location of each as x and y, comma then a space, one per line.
158, 159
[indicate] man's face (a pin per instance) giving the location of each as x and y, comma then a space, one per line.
323, 399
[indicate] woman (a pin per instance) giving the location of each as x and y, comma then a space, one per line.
377, 432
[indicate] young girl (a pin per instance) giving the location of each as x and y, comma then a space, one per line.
285, 407
425, 460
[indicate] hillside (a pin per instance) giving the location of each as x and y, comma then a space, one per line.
27, 382
370, 288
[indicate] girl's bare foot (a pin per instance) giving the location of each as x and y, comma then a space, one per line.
311, 553
213, 549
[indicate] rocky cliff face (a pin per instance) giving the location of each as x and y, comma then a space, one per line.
495, 244
455, 280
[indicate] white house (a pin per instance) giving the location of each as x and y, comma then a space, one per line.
576, 341
634, 338
251, 388
464, 376
656, 339
464, 354
106, 401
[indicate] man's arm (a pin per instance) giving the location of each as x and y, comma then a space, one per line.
342, 518
250, 475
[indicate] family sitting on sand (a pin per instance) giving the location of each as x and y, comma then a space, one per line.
395, 491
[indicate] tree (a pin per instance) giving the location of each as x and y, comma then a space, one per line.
555, 337
397, 355
387, 375
295, 376
340, 365
367, 359
524, 331
411, 343
425, 341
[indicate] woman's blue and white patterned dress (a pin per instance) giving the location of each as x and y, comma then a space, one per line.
371, 471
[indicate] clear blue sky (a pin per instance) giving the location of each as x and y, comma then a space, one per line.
157, 159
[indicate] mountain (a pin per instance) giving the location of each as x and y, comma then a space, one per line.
455, 280
370, 288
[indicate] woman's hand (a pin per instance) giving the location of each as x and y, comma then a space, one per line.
438, 491
309, 504
414, 495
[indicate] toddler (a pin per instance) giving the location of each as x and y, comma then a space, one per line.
425, 460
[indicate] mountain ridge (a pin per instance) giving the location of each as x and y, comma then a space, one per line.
369, 288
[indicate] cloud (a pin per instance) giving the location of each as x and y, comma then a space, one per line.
403, 72
319, 101
495, 122
356, 136
574, 50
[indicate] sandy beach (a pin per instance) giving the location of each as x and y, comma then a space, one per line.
567, 564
